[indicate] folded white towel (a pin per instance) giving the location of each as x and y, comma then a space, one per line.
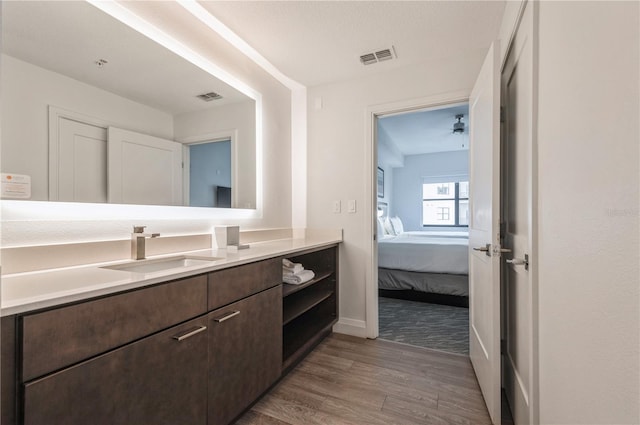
298, 278
289, 267
288, 263
293, 270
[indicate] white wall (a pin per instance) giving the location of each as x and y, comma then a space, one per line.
389, 156
24, 224
407, 182
28, 90
336, 146
238, 119
589, 212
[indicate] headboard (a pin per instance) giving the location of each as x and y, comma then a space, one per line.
383, 209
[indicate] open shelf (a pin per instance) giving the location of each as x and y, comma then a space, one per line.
304, 304
309, 310
288, 289
307, 330
295, 353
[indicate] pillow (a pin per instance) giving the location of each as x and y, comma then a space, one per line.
388, 227
381, 231
397, 226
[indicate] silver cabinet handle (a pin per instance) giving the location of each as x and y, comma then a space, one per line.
190, 333
520, 261
226, 317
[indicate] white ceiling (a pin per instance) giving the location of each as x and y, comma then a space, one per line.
318, 42
427, 131
67, 37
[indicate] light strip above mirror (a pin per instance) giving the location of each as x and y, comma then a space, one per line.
225, 32
137, 23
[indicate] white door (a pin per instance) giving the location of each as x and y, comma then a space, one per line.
484, 231
80, 172
143, 169
519, 312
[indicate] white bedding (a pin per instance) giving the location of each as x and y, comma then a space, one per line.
424, 254
436, 234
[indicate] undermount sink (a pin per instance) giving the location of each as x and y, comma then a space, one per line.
162, 264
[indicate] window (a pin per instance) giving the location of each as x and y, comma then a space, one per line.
445, 204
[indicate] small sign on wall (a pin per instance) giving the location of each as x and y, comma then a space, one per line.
15, 186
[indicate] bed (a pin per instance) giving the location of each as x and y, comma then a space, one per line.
426, 266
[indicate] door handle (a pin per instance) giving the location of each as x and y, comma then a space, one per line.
190, 333
520, 261
226, 317
486, 249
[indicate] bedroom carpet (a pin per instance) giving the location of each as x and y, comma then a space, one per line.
439, 327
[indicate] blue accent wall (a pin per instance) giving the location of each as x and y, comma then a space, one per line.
406, 193
210, 167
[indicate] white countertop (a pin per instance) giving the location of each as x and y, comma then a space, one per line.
24, 292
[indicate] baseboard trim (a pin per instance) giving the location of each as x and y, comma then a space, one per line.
351, 327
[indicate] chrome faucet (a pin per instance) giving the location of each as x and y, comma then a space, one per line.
138, 242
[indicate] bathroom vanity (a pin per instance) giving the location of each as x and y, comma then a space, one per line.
161, 349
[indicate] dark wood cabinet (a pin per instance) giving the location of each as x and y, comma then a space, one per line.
232, 284
194, 351
245, 356
158, 380
310, 310
63, 336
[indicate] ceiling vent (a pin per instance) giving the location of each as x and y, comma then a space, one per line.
378, 56
208, 97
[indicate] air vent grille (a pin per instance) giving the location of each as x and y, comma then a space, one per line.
208, 97
368, 59
378, 56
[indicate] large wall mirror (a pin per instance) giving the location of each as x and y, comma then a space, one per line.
94, 111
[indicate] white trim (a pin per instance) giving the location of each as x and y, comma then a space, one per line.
351, 327
220, 136
370, 204
299, 168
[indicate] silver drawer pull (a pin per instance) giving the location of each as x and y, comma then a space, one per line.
190, 333
226, 317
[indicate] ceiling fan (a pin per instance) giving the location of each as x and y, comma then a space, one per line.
458, 127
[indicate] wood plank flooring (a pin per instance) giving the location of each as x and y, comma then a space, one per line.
355, 381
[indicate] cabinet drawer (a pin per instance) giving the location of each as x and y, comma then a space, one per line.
159, 380
229, 285
57, 338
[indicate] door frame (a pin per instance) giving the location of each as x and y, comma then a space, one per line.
370, 208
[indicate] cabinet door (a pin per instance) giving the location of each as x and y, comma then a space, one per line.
157, 380
245, 353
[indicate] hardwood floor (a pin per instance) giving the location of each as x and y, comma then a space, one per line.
348, 380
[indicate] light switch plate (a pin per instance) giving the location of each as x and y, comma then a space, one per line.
336, 207
351, 206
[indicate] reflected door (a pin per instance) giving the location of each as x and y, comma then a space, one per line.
143, 169
80, 174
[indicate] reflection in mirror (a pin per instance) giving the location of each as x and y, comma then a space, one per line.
93, 111
210, 174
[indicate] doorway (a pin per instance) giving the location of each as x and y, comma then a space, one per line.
423, 215
210, 174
